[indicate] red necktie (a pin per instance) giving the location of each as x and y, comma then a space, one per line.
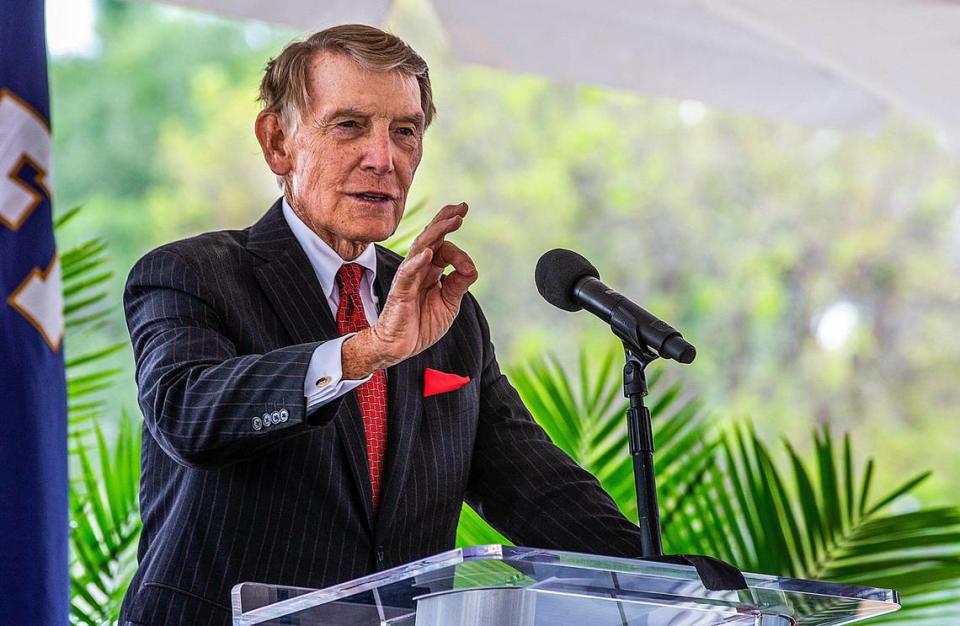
372, 395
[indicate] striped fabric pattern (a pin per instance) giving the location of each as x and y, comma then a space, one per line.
239, 483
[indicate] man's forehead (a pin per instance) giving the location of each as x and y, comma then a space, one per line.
340, 83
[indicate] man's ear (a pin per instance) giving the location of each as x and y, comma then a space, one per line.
274, 142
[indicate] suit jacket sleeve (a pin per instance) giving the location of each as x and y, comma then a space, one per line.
198, 396
528, 488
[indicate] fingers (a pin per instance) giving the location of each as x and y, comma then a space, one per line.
424, 270
450, 210
447, 220
449, 254
430, 255
464, 274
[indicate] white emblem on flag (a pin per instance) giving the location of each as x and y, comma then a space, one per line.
24, 140
39, 299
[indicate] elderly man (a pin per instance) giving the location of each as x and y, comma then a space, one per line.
317, 408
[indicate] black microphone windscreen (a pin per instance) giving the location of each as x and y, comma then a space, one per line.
558, 272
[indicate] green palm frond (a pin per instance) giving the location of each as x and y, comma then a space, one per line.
104, 484
729, 496
585, 417
84, 274
821, 521
474, 531
105, 525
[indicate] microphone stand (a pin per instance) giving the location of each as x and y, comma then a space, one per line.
640, 429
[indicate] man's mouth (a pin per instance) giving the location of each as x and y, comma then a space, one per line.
371, 196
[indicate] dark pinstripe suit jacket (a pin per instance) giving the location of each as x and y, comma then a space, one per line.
223, 326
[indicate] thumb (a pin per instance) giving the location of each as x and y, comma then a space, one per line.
409, 273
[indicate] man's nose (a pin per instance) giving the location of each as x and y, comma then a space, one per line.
378, 153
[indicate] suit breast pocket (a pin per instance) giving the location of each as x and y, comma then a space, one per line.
462, 403
448, 431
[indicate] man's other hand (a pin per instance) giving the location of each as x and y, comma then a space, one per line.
422, 302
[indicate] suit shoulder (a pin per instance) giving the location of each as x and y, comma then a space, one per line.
206, 250
191, 262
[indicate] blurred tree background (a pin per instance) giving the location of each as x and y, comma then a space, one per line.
816, 272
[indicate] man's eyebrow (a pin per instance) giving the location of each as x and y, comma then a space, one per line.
416, 119
347, 113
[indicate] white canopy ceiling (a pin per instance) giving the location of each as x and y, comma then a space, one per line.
835, 63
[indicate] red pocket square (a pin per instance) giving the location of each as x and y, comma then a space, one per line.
435, 381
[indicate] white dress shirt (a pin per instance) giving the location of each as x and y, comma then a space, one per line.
324, 380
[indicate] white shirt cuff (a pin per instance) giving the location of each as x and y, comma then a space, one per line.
324, 381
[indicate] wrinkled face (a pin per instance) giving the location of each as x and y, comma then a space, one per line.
354, 154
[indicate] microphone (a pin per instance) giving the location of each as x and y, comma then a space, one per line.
570, 282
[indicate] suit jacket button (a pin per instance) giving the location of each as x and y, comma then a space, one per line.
266, 419
284, 415
275, 417
257, 424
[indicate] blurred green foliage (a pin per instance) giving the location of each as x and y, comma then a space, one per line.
726, 493
817, 273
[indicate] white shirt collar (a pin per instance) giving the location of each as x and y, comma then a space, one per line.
324, 259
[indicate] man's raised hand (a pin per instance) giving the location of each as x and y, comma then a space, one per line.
422, 303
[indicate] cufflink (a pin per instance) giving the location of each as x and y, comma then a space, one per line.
323, 381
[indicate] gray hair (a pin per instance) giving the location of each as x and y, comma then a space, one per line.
285, 88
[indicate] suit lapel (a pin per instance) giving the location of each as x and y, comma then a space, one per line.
405, 403
289, 282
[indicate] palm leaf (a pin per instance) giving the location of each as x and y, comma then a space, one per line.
474, 531
105, 524
823, 524
105, 521
84, 274
585, 416
729, 496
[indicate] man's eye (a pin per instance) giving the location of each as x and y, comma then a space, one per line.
348, 124
406, 130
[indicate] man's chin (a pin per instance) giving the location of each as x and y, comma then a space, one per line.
374, 226
374, 232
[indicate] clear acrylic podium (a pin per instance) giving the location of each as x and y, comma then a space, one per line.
507, 586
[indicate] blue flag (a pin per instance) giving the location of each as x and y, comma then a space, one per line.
34, 577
